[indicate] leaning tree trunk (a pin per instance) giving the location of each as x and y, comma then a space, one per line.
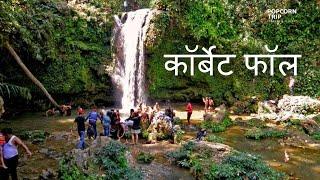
29, 74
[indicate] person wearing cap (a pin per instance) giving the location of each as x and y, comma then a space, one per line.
80, 120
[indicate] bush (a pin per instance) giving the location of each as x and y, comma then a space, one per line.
146, 158
178, 136
145, 134
257, 123
236, 165
217, 127
213, 138
182, 156
113, 160
295, 121
240, 165
316, 136
258, 134
67, 172
36, 136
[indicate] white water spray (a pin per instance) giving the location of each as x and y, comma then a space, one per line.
129, 72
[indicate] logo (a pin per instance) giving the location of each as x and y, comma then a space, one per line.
277, 14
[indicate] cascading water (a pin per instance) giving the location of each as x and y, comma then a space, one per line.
129, 73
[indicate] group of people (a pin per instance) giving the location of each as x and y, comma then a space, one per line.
142, 115
107, 118
9, 155
63, 110
208, 104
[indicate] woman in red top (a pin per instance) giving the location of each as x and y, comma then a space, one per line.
2, 142
189, 112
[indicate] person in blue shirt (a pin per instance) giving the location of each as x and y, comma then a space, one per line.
106, 122
93, 116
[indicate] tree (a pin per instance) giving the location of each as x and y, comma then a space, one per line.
29, 74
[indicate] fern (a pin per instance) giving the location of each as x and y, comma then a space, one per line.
10, 90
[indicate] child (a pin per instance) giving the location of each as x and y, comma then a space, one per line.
2, 142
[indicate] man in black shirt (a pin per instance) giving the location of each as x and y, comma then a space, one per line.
80, 120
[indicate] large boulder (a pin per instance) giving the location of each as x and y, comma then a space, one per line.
289, 107
299, 104
218, 151
82, 158
310, 126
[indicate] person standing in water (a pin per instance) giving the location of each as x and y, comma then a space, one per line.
291, 85
10, 153
205, 101
80, 120
189, 112
93, 116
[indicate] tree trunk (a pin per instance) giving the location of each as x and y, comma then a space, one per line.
29, 74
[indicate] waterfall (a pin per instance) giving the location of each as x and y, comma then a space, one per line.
129, 73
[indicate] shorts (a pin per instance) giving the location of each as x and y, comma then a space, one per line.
135, 131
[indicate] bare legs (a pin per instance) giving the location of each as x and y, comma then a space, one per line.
135, 138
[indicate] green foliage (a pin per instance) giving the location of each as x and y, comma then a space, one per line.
67, 45
214, 138
182, 156
146, 158
113, 160
68, 172
258, 123
295, 121
35, 136
317, 119
217, 127
237, 27
240, 165
258, 134
178, 136
236, 165
177, 121
316, 136
10, 90
145, 134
